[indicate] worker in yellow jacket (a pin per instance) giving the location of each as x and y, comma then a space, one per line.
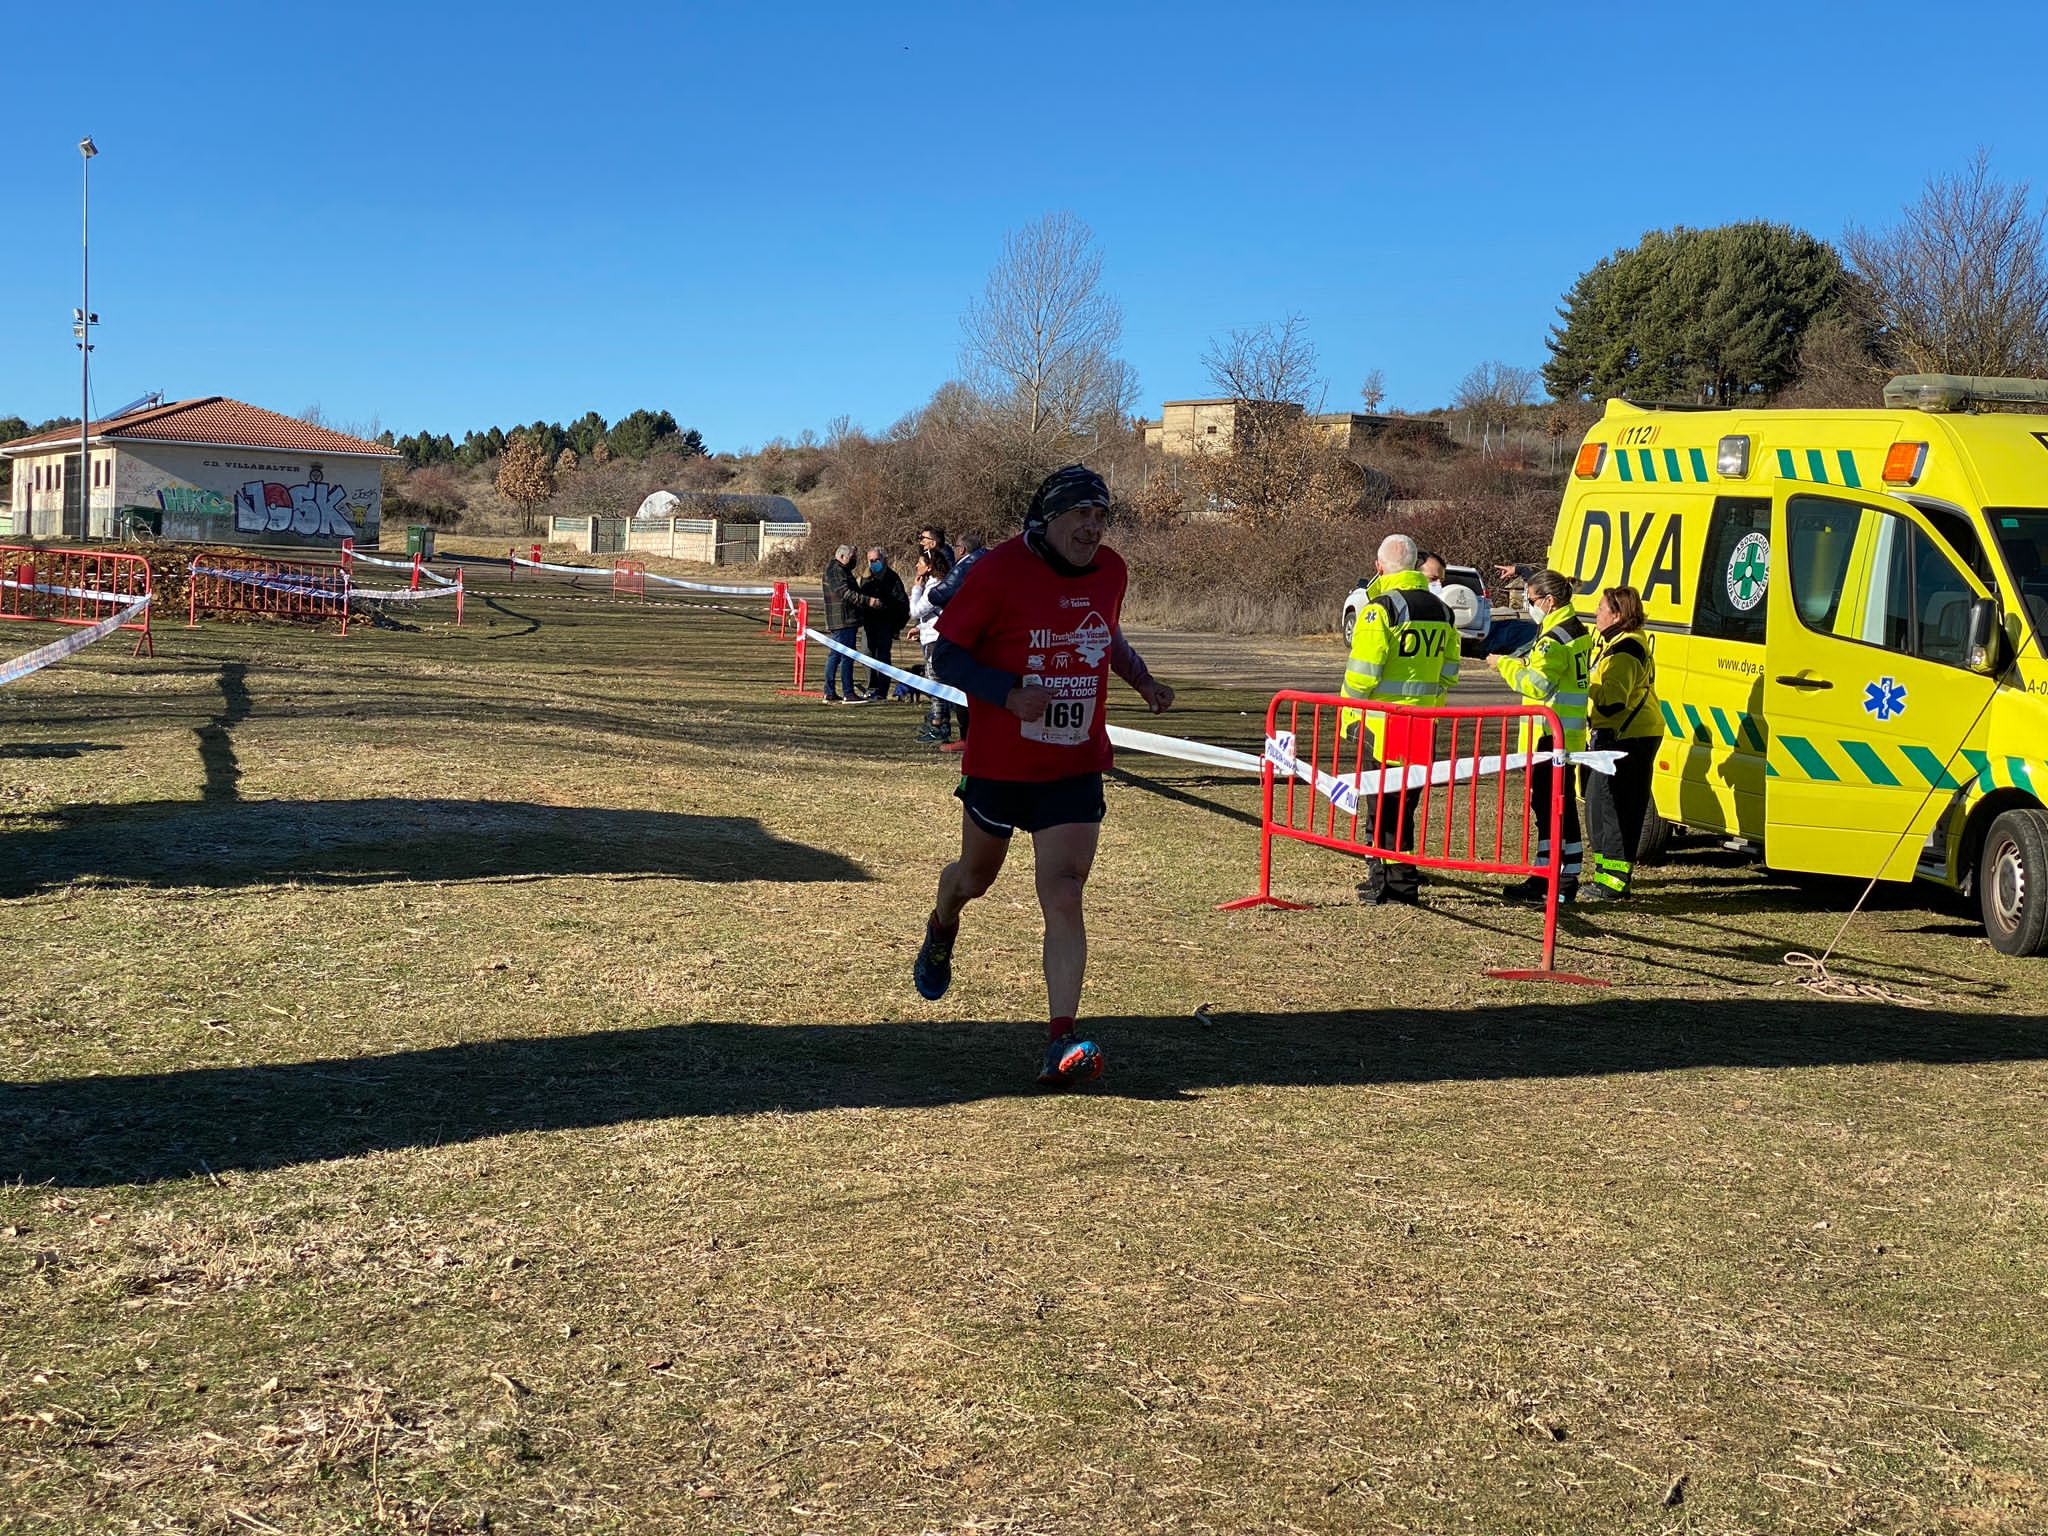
1624, 716
1555, 673
1404, 651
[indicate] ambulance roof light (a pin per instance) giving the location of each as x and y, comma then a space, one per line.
1592, 457
1731, 459
1940, 392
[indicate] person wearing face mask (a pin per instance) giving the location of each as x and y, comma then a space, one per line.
1623, 715
885, 608
1553, 673
1031, 640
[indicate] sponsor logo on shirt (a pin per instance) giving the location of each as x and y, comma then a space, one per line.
1091, 639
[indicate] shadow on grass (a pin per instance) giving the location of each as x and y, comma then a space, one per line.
114, 1130
55, 748
225, 842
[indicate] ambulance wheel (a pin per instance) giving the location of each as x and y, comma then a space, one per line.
2012, 883
1655, 840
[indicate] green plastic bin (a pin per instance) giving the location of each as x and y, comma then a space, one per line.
419, 540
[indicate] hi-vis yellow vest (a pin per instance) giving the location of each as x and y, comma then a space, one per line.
1555, 672
1404, 651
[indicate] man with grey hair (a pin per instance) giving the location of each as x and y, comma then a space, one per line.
1404, 652
842, 618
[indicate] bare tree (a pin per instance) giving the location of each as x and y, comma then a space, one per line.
525, 477
1040, 344
1267, 365
1373, 391
1490, 394
1960, 285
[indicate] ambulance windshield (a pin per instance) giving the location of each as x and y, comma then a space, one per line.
2023, 538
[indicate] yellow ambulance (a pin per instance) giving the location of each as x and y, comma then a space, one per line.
1849, 610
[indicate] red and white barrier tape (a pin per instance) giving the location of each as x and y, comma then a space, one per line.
34, 661
403, 565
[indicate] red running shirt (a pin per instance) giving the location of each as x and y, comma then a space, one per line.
1015, 612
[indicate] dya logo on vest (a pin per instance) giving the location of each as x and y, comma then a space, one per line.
1415, 641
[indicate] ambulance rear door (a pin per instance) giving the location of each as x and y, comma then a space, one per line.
1867, 689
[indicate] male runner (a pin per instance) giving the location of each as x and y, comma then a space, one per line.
1031, 641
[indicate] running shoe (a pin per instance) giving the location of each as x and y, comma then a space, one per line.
933, 971
1068, 1061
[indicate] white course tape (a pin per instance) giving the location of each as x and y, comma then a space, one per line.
944, 691
667, 581
1343, 793
34, 661
398, 594
86, 594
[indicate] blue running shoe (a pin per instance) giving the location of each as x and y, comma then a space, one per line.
1069, 1061
933, 972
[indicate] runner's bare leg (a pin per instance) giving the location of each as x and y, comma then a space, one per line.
981, 860
1064, 855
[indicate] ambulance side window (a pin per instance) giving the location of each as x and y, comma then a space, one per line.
1869, 576
1734, 584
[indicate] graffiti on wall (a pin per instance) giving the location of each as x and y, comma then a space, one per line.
314, 510
190, 501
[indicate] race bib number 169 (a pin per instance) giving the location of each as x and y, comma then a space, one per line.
1064, 724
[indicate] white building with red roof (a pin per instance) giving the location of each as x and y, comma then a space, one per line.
209, 470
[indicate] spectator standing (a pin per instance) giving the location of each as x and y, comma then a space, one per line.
843, 610
930, 537
886, 610
972, 548
1554, 673
1622, 712
933, 567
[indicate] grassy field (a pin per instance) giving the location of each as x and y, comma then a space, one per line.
468, 1080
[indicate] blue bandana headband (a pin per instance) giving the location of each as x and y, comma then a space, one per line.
1063, 490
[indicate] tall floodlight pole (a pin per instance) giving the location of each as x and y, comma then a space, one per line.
86, 150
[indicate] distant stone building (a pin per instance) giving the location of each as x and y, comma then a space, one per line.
1214, 426
209, 470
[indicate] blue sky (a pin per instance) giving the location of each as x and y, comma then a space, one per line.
762, 217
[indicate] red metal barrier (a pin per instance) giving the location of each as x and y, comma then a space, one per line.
297, 589
629, 576
780, 612
1462, 818
800, 653
512, 559
75, 586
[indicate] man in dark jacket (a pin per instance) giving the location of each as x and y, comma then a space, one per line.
886, 610
843, 612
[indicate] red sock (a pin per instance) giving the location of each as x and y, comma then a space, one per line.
1064, 1025
943, 930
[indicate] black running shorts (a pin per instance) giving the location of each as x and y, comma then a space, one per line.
1003, 806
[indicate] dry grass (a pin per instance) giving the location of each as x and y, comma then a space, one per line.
468, 1080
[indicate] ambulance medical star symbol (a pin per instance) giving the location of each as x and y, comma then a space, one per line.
1884, 698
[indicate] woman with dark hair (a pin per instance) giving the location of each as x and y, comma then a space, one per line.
933, 567
1554, 673
1623, 713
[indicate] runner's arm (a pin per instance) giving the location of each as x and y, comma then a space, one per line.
1127, 664
955, 664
